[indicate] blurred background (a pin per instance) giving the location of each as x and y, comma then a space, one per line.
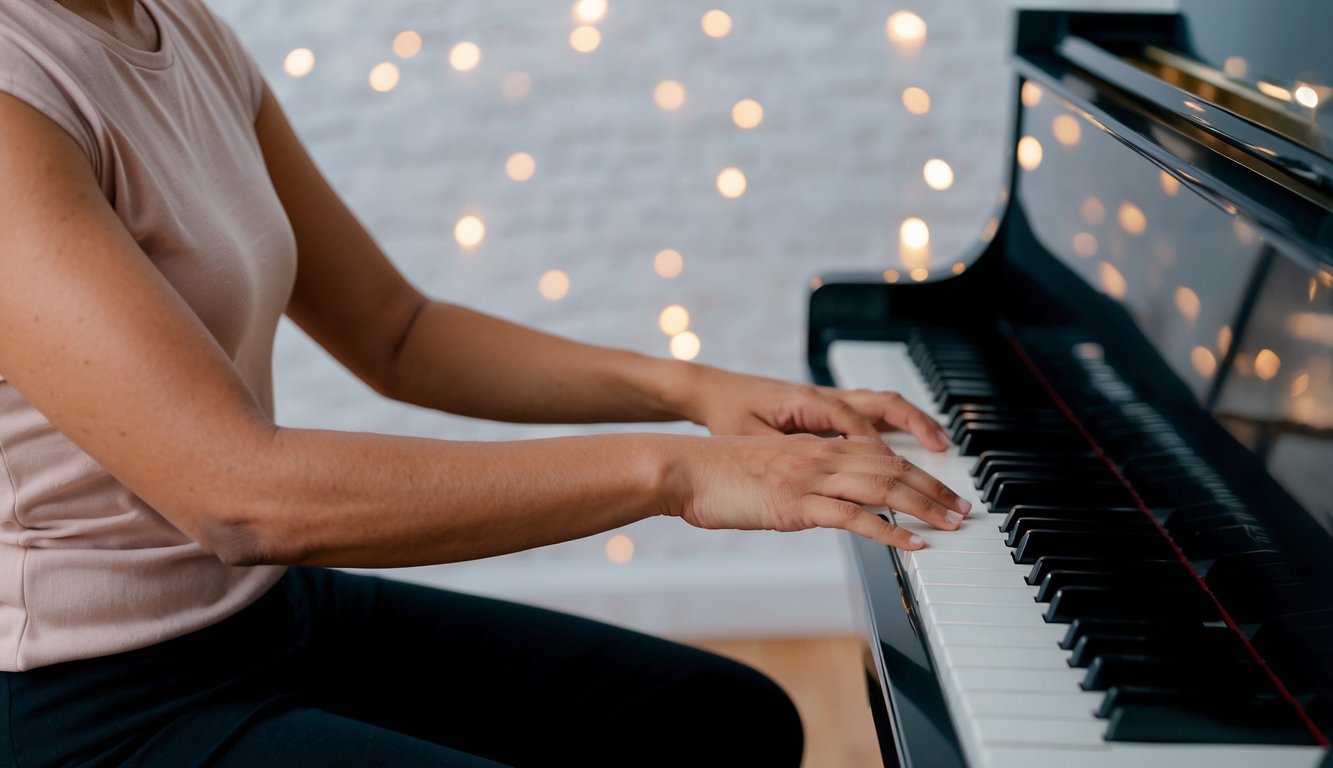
668, 177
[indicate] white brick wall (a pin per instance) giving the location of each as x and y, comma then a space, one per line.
832, 171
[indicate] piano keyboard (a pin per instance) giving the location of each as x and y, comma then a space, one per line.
1026, 687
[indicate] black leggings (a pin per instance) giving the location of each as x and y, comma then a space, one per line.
331, 669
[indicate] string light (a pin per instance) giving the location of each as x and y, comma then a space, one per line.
520, 166
1085, 245
1112, 282
1029, 153
465, 56
938, 174
673, 320
1131, 219
590, 11
620, 549
906, 28
916, 100
913, 233
384, 77
731, 183
585, 39
716, 23
299, 62
747, 114
1030, 94
669, 95
1092, 211
1187, 304
1170, 184
1203, 361
1266, 364
1066, 130
685, 346
553, 285
891, 276
920, 274
470, 231
668, 263
407, 44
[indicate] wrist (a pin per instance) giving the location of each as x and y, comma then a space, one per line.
669, 460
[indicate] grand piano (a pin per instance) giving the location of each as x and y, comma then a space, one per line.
1136, 365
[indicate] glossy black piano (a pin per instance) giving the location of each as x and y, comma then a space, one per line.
1137, 368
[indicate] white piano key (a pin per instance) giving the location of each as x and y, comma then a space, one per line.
1010, 615
1120, 755
1004, 657
1074, 706
993, 731
1016, 596
1017, 680
934, 558
962, 577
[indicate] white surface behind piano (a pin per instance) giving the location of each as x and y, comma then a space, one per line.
1013, 698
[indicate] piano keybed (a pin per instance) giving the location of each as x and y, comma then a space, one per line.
1072, 619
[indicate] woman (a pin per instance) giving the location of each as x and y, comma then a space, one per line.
159, 215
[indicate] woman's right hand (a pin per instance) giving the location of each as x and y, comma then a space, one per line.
795, 482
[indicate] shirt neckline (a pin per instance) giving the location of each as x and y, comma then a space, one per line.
158, 59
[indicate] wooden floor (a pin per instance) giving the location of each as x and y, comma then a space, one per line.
823, 675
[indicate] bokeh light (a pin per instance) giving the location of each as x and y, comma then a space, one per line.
685, 346
585, 39
920, 274
913, 233
516, 86
299, 62
1132, 219
1029, 153
590, 11
747, 114
1066, 130
1266, 364
553, 285
470, 231
668, 263
520, 166
384, 77
1203, 361
465, 56
716, 23
916, 100
620, 549
938, 174
673, 320
1085, 244
669, 95
731, 183
407, 44
905, 28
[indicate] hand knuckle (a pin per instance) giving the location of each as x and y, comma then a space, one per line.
899, 464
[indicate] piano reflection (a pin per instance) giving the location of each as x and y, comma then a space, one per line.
1140, 388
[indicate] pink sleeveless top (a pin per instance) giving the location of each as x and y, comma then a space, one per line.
86, 567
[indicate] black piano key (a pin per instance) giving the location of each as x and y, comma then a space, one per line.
1203, 641
1167, 627
1129, 602
1050, 563
1049, 477
1070, 470
1110, 546
1055, 458
1176, 673
1207, 544
1088, 526
1176, 577
1011, 493
1203, 722
1023, 511
984, 438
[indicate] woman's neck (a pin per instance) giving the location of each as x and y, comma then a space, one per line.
124, 19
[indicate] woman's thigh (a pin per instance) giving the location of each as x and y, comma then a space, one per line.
526, 686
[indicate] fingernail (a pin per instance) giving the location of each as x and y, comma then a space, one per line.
916, 542
964, 505
953, 517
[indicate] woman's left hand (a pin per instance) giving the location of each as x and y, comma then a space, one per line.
738, 404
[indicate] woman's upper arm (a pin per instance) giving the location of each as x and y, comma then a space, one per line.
348, 296
98, 341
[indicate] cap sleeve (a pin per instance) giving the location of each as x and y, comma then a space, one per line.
46, 87
251, 79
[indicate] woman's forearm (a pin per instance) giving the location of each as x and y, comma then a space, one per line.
461, 361
360, 500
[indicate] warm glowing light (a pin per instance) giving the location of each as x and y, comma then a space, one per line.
891, 276
731, 183
1203, 361
1310, 292
958, 268
1307, 97
1244, 232
1085, 245
520, 166
938, 174
906, 28
619, 548
465, 56
1300, 384
988, 231
913, 233
716, 23
299, 62
1235, 66
1187, 304
685, 346
516, 86
1066, 130
673, 320
916, 100
747, 114
1223, 339
384, 77
407, 44
1312, 326
1326, 277
1029, 153
1194, 106
1030, 94
1131, 219
1266, 364
815, 283
1170, 184
668, 263
469, 231
1244, 364
1276, 91
920, 274
669, 95
1112, 282
554, 285
1092, 211
590, 11
585, 39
